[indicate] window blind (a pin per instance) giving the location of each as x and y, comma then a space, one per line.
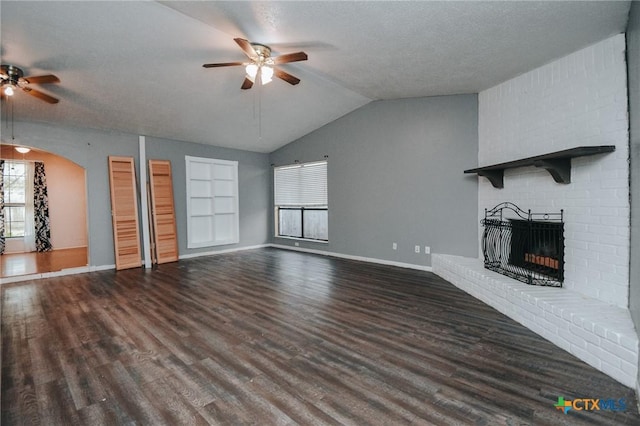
301, 184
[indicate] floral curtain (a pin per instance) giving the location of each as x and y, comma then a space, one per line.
41, 210
1, 206
29, 238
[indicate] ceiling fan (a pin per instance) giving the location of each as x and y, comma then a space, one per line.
261, 64
12, 78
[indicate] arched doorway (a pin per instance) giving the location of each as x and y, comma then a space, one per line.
67, 214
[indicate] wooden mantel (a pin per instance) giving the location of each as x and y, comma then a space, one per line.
558, 164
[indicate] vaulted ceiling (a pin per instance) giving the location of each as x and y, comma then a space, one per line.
137, 66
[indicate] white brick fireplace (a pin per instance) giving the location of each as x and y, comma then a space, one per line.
579, 100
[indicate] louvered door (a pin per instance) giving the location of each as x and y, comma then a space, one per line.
163, 212
124, 212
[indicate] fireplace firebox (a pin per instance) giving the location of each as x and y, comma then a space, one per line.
523, 245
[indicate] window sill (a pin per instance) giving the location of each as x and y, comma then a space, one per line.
302, 239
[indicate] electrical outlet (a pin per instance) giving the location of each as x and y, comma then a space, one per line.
297, 244
395, 246
417, 249
427, 250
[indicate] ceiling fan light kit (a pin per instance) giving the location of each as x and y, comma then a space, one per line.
261, 61
8, 90
12, 78
23, 149
266, 73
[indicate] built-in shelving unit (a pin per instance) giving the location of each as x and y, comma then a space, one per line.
558, 164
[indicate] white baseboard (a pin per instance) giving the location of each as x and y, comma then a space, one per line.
210, 253
69, 248
359, 258
96, 268
19, 278
61, 273
101, 268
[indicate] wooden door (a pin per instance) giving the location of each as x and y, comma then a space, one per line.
124, 212
162, 211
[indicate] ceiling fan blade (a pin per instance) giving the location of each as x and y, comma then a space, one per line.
246, 84
286, 76
42, 79
246, 47
40, 95
223, 64
290, 57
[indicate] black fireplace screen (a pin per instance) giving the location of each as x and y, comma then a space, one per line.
523, 245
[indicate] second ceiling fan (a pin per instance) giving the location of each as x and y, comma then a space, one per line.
261, 65
12, 79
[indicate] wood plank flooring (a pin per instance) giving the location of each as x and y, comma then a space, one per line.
272, 337
14, 264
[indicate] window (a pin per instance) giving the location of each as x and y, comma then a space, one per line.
212, 202
301, 201
14, 189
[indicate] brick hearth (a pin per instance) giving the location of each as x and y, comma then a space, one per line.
600, 334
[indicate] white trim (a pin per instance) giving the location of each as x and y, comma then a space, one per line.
101, 268
19, 278
144, 207
87, 206
232, 250
310, 240
68, 271
85, 269
212, 162
360, 258
63, 272
69, 248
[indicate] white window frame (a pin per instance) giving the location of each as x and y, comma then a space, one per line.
7, 165
306, 202
212, 184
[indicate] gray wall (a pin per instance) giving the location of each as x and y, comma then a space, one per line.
633, 63
396, 175
254, 184
90, 148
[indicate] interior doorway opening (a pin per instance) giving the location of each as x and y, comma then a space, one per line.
65, 207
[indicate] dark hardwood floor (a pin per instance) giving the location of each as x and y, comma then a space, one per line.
277, 337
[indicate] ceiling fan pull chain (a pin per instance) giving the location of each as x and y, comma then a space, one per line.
12, 105
255, 103
259, 116
259, 80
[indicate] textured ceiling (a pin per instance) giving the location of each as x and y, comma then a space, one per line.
137, 66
